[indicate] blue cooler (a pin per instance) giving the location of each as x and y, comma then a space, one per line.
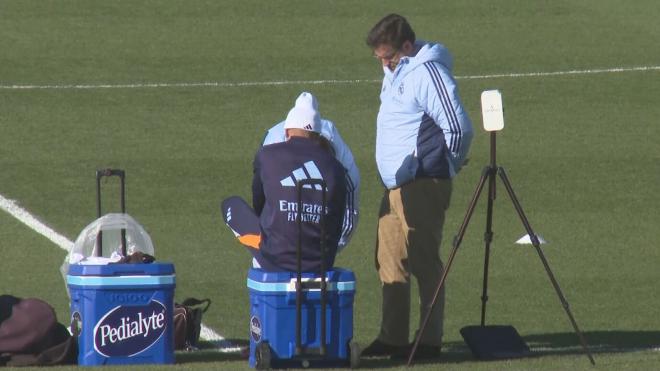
123, 313
273, 319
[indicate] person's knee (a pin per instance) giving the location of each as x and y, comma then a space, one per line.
389, 274
425, 266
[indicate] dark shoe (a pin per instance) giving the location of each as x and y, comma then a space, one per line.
379, 349
423, 352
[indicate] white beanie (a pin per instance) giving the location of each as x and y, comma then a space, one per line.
308, 99
304, 115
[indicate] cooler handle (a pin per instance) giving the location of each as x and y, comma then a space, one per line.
108, 173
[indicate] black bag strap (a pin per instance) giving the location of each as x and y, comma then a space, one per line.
193, 302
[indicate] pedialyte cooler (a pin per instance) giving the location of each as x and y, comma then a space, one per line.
123, 313
273, 315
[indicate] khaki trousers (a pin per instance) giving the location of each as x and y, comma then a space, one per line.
409, 235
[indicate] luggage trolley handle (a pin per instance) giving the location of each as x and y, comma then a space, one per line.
108, 173
312, 183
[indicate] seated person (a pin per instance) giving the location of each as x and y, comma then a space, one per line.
270, 230
342, 153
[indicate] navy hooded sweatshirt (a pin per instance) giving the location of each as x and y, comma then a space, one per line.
277, 169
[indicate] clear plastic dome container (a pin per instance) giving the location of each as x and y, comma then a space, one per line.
86, 249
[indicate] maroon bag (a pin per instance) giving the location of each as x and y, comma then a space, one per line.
188, 322
31, 335
28, 328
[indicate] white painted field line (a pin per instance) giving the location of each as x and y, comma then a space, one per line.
219, 343
26, 218
11, 207
211, 84
563, 73
220, 84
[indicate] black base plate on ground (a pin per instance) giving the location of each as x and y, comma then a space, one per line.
495, 342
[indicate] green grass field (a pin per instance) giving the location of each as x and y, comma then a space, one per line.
95, 84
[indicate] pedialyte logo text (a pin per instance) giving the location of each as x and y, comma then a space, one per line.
128, 330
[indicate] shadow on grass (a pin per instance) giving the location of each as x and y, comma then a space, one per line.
614, 341
566, 343
600, 342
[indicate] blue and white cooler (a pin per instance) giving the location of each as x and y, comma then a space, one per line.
273, 319
121, 313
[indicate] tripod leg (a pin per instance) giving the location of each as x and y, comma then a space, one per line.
488, 238
456, 244
537, 246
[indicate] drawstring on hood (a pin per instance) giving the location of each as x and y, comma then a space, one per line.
425, 52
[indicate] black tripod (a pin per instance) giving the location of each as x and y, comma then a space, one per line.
489, 173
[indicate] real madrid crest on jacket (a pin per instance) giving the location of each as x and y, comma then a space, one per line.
277, 168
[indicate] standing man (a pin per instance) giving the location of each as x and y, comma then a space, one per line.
422, 139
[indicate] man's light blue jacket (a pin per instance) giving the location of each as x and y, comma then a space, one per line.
422, 128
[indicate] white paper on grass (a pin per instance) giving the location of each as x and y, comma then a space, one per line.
527, 240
